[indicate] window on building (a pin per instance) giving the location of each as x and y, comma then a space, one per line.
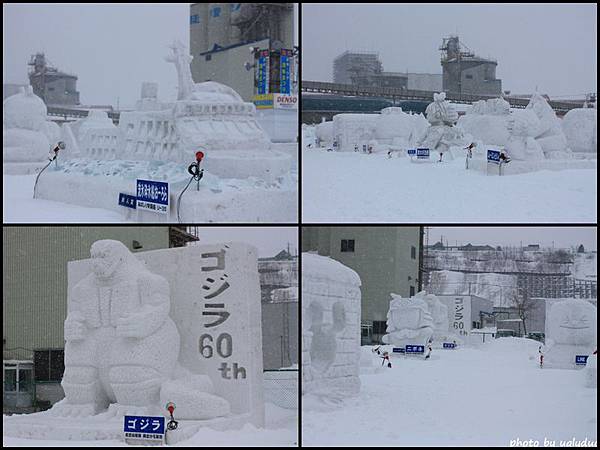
10, 379
379, 326
49, 365
469, 77
412, 291
413, 252
195, 19
215, 12
347, 245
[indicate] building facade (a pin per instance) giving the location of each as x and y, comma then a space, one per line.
221, 35
387, 259
465, 73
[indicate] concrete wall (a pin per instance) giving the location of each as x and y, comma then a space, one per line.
425, 81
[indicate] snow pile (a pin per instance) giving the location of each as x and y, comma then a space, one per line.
590, 372
571, 330
26, 135
487, 121
580, 127
330, 329
409, 322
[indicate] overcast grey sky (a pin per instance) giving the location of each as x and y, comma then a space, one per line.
563, 237
112, 48
268, 240
551, 46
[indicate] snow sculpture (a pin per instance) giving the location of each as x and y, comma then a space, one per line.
350, 130
521, 143
398, 130
580, 128
439, 313
409, 322
570, 331
98, 136
548, 133
26, 136
178, 325
330, 328
121, 345
324, 134
442, 134
487, 121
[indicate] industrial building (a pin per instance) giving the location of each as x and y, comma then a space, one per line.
221, 35
465, 73
54, 87
365, 69
387, 259
35, 303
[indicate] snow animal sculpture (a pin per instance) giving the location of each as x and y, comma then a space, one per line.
442, 134
487, 121
187, 87
549, 132
121, 345
521, 144
570, 330
439, 313
330, 328
409, 322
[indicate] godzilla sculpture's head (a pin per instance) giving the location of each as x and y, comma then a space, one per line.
107, 256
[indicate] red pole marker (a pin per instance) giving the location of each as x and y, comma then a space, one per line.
199, 156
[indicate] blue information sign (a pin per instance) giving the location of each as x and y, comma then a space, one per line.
415, 349
144, 427
284, 67
412, 151
581, 360
493, 156
397, 350
449, 345
153, 196
422, 153
127, 200
262, 76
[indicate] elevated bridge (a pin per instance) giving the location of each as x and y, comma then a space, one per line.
397, 94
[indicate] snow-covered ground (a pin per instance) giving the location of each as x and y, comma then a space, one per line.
281, 430
356, 187
21, 207
485, 395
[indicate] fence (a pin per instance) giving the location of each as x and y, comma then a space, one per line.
281, 387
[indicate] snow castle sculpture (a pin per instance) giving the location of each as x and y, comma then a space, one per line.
409, 321
330, 328
26, 134
571, 330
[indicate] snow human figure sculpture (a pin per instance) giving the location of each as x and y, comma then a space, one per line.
120, 342
571, 330
442, 134
409, 322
